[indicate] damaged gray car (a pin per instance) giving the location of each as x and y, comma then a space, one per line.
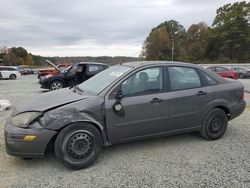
127, 102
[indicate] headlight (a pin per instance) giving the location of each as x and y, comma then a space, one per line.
47, 76
24, 119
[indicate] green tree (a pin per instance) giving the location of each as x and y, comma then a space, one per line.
19, 52
161, 40
195, 40
232, 23
28, 60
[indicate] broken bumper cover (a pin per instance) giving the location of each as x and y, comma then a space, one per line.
17, 146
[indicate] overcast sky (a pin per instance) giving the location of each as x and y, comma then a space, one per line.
94, 27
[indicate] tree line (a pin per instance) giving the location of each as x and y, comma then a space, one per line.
16, 56
226, 41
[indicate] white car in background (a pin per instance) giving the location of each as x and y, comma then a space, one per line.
9, 72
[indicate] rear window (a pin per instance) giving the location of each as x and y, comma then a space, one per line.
221, 69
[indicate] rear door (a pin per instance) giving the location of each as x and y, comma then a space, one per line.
93, 69
185, 99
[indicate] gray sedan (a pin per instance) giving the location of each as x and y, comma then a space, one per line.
243, 72
128, 102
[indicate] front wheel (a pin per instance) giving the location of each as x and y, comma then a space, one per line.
241, 76
56, 84
78, 145
215, 124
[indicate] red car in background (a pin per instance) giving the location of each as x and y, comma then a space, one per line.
224, 72
52, 71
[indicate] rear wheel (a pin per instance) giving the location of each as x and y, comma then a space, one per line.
78, 145
215, 124
56, 84
12, 77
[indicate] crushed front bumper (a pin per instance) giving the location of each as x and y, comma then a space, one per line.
17, 146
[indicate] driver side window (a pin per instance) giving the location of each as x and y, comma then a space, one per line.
143, 82
72, 71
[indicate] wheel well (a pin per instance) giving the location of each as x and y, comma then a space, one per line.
225, 109
56, 80
50, 146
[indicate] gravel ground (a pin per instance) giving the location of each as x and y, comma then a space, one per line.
178, 161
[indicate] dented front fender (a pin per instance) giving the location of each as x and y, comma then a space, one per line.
89, 110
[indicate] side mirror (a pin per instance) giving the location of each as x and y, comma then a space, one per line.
118, 95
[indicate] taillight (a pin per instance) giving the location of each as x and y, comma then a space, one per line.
242, 95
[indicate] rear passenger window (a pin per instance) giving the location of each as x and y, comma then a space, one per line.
182, 78
220, 69
209, 80
211, 69
93, 69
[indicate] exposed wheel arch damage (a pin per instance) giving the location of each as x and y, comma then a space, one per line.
59, 118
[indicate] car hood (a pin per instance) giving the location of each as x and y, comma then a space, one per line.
49, 101
60, 75
52, 64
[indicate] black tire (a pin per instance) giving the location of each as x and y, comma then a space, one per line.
55, 85
241, 76
78, 145
12, 77
214, 125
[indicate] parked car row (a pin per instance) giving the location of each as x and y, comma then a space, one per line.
233, 72
25, 71
242, 71
128, 102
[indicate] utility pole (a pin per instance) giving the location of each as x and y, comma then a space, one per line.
172, 49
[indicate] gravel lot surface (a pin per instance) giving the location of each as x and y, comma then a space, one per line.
178, 161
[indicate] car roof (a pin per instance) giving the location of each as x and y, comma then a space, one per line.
9, 67
92, 63
240, 66
147, 63
216, 66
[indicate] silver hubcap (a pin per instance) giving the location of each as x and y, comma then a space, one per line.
56, 85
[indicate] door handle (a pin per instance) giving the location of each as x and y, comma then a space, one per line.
156, 100
201, 93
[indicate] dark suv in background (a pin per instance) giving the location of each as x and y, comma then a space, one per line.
73, 75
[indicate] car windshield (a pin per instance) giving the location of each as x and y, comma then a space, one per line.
66, 69
99, 82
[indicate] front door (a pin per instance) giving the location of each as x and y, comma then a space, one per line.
75, 75
144, 106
